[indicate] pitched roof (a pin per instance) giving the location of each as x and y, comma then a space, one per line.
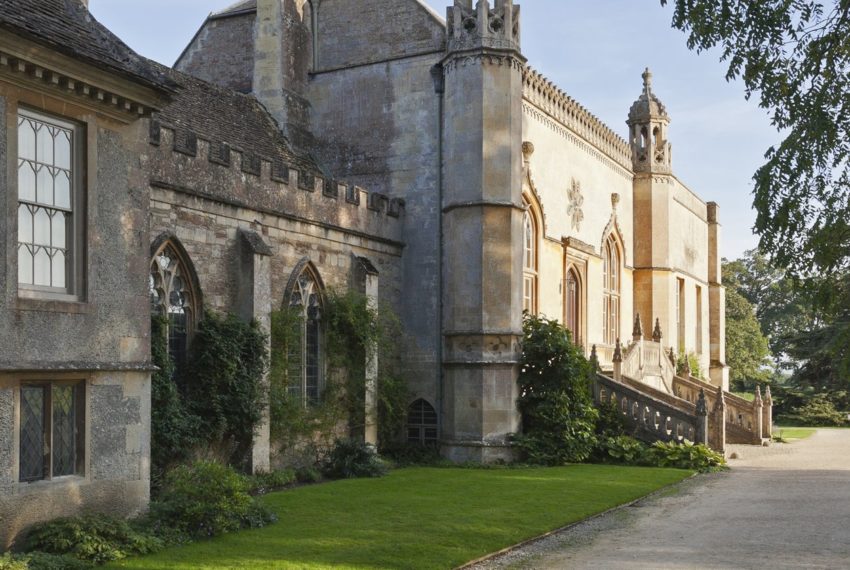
223, 115
237, 8
66, 26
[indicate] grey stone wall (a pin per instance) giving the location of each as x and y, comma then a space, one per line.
378, 126
384, 30
222, 52
116, 475
5, 251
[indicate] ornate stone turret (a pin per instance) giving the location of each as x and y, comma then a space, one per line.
648, 121
480, 26
482, 213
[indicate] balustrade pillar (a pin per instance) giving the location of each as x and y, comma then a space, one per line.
617, 360
758, 418
701, 429
719, 418
767, 414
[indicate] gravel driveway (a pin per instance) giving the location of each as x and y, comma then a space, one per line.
785, 506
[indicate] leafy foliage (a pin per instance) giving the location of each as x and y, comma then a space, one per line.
815, 411
206, 499
747, 350
350, 459
558, 416
224, 381
693, 363
265, 482
405, 454
92, 538
685, 455
172, 427
355, 334
621, 449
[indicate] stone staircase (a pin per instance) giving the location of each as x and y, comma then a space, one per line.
659, 404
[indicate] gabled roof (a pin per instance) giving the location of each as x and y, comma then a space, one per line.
237, 8
223, 115
67, 27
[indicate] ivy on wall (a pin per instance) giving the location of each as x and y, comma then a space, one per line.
354, 333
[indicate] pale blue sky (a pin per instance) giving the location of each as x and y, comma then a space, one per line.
595, 51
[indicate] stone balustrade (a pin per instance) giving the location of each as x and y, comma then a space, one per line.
652, 419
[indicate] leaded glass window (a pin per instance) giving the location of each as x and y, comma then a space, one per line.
47, 167
611, 291
529, 272
421, 423
171, 296
51, 430
305, 351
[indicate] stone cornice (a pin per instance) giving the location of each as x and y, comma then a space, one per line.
544, 94
483, 56
31, 66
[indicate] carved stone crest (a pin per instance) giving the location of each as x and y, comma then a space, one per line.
576, 201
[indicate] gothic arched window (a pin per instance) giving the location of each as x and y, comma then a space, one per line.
304, 356
573, 305
173, 296
611, 291
529, 261
421, 423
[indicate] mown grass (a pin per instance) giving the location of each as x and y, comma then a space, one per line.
792, 433
416, 518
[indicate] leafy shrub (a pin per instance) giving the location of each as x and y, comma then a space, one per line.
817, 411
9, 562
224, 381
687, 455
308, 474
44, 561
558, 417
206, 499
621, 449
92, 538
693, 361
172, 433
350, 459
405, 454
611, 422
262, 483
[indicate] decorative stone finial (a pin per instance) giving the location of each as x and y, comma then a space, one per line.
615, 199
637, 331
672, 356
757, 401
594, 358
720, 403
702, 407
686, 366
527, 149
767, 397
647, 81
618, 352
656, 332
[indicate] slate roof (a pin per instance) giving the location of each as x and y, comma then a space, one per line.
238, 7
66, 26
222, 115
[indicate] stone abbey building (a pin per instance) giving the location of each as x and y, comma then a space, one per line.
301, 145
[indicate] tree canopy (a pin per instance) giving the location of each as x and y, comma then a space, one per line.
794, 55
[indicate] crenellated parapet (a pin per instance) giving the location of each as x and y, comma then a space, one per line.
544, 94
217, 170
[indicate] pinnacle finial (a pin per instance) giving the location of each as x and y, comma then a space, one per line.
637, 331
656, 333
647, 80
618, 352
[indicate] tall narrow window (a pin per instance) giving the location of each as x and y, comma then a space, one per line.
573, 305
51, 430
611, 291
48, 200
172, 296
529, 273
699, 320
680, 313
305, 349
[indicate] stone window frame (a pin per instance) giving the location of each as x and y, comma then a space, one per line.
75, 240
421, 409
530, 258
612, 282
193, 306
82, 434
301, 389
577, 267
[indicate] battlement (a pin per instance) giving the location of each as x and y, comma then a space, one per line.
540, 91
482, 26
274, 174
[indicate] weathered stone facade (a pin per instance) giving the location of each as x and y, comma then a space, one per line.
366, 145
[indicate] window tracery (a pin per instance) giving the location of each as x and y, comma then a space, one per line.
529, 274
305, 368
611, 291
172, 297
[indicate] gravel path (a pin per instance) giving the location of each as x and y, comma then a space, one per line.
785, 506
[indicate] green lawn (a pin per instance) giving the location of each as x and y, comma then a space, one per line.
789, 433
417, 518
